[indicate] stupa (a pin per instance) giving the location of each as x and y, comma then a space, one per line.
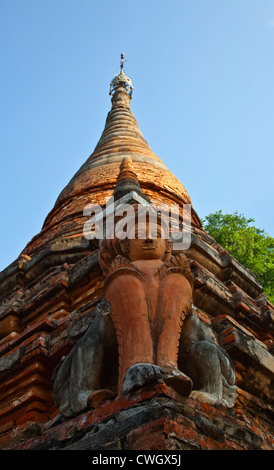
50, 296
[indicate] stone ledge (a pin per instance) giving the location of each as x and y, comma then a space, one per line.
241, 343
204, 254
152, 419
243, 277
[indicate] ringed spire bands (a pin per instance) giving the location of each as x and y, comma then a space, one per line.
96, 179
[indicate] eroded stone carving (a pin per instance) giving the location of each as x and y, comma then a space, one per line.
90, 366
150, 293
146, 313
208, 365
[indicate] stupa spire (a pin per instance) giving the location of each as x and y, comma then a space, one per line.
121, 140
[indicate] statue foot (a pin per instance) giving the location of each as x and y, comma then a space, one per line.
227, 400
229, 394
140, 375
180, 382
205, 397
98, 397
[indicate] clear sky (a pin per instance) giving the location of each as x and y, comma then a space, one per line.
203, 76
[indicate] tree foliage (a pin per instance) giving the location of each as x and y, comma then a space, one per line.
251, 246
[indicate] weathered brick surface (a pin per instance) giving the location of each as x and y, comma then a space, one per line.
154, 420
47, 301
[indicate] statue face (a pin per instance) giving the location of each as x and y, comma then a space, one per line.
149, 245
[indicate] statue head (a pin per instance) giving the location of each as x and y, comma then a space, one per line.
147, 239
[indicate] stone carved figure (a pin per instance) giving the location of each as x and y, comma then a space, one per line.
207, 364
146, 316
89, 367
150, 294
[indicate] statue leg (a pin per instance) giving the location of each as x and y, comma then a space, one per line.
207, 364
202, 356
216, 386
175, 295
129, 314
82, 372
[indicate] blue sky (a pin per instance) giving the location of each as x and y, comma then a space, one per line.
203, 76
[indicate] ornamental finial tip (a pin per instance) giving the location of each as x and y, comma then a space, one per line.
122, 60
121, 79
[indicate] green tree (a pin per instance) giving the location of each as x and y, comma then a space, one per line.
251, 246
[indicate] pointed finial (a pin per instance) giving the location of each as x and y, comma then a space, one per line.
127, 180
126, 171
121, 80
126, 166
122, 61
